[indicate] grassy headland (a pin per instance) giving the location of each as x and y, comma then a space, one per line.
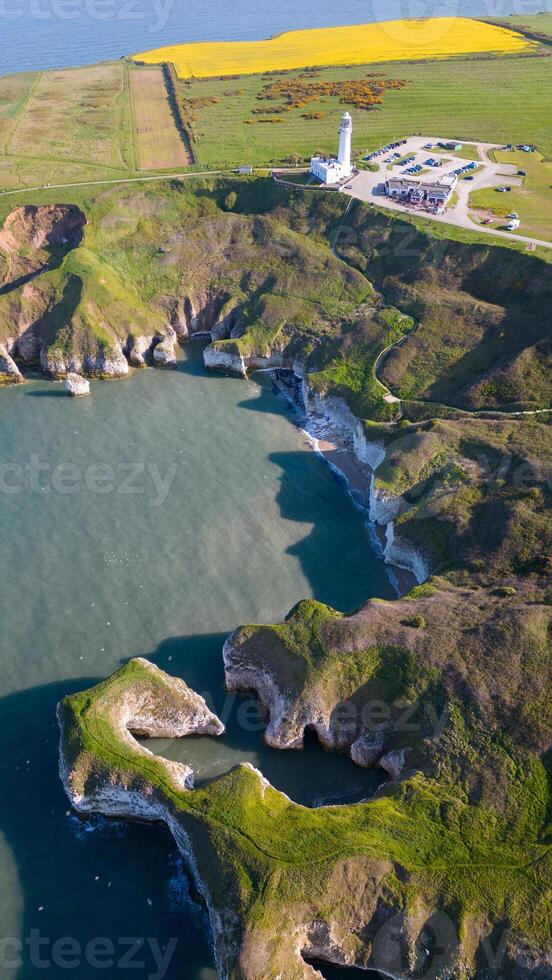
79, 125
463, 830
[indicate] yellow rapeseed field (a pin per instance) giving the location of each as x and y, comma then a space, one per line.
396, 40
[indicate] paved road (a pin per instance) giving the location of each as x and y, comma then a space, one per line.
367, 186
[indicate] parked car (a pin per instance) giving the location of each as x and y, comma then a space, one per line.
468, 177
522, 173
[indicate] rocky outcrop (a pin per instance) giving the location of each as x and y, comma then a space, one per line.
361, 885
103, 364
76, 385
394, 763
217, 359
9, 372
368, 749
139, 350
139, 700
164, 353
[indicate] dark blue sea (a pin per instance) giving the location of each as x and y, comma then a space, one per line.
60, 33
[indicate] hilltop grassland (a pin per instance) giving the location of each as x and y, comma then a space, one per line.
82, 115
499, 100
398, 40
65, 125
79, 125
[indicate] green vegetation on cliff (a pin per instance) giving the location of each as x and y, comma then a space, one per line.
364, 302
465, 831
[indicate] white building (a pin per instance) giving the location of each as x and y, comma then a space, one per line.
332, 170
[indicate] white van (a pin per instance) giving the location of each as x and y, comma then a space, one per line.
512, 225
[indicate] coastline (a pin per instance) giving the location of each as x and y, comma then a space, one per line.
338, 448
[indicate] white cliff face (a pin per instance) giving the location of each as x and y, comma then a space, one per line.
394, 763
164, 353
9, 372
338, 413
109, 364
139, 349
76, 385
367, 749
287, 721
216, 359
402, 553
384, 507
289, 717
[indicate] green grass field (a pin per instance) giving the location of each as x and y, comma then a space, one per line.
66, 125
533, 201
77, 124
492, 100
540, 24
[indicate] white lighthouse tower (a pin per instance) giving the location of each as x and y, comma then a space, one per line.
345, 134
335, 169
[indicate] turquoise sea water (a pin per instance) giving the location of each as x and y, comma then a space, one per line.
149, 519
54, 33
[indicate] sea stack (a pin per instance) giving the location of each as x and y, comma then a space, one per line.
76, 385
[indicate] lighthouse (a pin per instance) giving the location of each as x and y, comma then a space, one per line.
345, 134
336, 169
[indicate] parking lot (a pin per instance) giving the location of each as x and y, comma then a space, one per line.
421, 158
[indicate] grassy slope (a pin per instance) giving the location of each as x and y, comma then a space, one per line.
483, 337
169, 243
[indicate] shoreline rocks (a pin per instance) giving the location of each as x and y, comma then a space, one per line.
104, 364
164, 353
9, 372
348, 433
76, 385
